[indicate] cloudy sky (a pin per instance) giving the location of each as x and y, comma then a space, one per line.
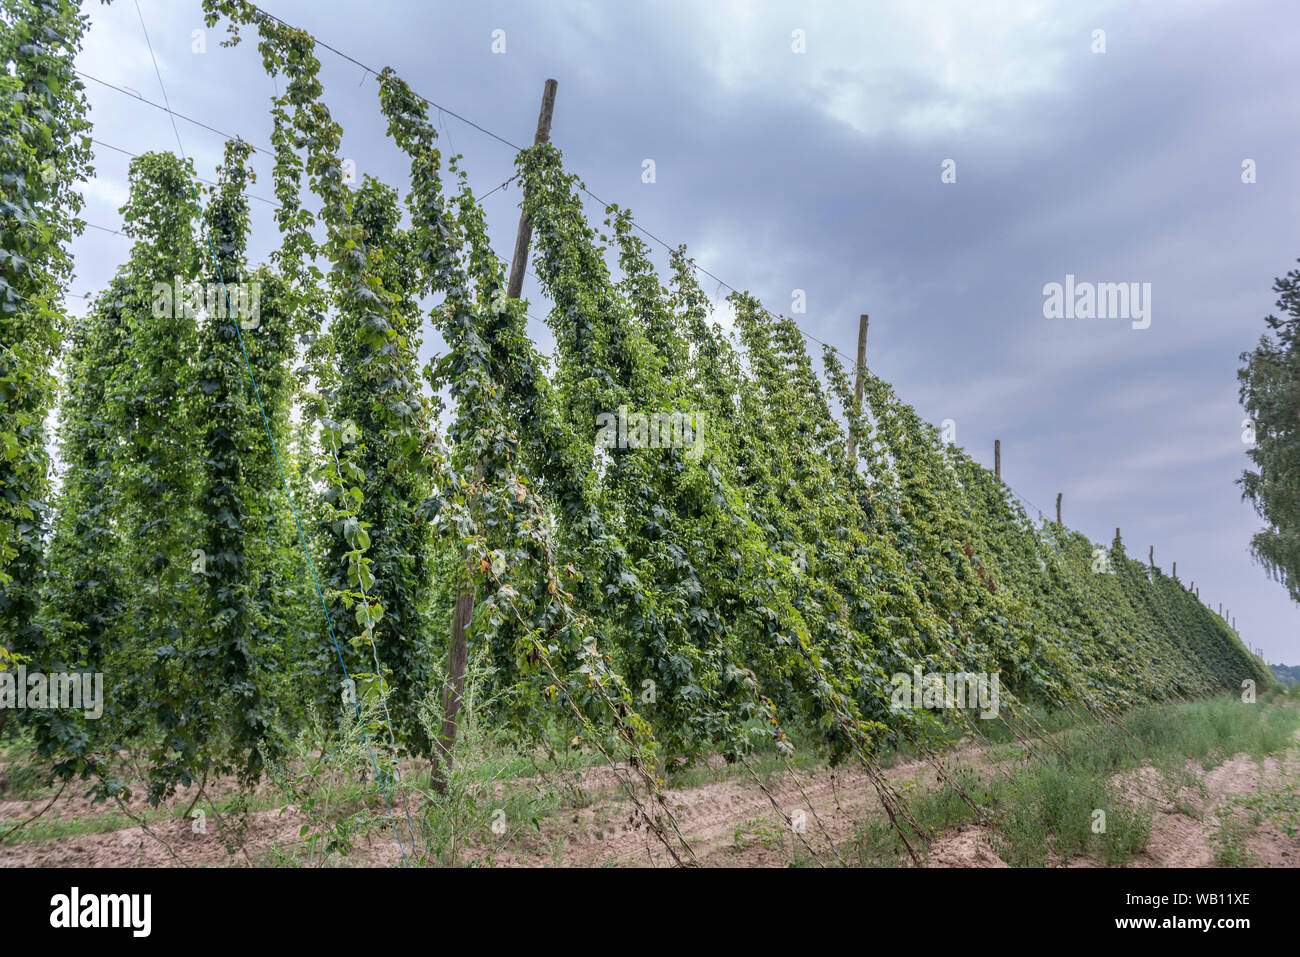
802, 147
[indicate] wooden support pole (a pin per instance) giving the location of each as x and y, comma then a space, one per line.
525, 235
1151, 557
1175, 572
997, 459
858, 386
463, 611
1058, 508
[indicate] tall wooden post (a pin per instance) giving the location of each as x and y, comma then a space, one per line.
858, 386
1151, 557
463, 614
525, 236
997, 459
1175, 572
1058, 508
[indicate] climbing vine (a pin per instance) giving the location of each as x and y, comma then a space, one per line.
669, 540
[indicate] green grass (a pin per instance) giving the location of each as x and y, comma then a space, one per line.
44, 829
1235, 827
1052, 814
1047, 812
1243, 814
1038, 810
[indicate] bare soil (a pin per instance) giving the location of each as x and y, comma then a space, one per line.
728, 821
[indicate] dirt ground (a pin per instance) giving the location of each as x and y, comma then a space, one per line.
729, 821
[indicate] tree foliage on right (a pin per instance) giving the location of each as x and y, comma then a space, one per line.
1270, 393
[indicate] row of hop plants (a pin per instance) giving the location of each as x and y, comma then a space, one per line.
660, 603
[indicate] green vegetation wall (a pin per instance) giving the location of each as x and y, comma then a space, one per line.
669, 549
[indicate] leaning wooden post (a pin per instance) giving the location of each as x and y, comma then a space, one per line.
463, 614
525, 236
997, 459
858, 386
1058, 508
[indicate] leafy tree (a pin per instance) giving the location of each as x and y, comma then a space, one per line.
1289, 675
1270, 393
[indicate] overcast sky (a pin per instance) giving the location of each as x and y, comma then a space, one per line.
821, 171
